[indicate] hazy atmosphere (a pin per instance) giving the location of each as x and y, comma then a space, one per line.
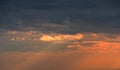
59, 34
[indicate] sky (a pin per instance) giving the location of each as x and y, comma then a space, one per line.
59, 34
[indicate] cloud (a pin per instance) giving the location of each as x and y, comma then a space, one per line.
84, 16
40, 41
59, 37
52, 36
33, 50
59, 34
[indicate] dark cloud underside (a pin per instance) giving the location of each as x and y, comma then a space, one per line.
65, 16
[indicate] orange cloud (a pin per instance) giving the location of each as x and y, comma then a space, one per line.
39, 36
58, 37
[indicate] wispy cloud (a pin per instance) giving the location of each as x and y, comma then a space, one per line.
40, 41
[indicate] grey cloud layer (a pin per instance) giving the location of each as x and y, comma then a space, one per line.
81, 15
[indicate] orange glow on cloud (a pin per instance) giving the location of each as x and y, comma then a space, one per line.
104, 47
59, 37
39, 36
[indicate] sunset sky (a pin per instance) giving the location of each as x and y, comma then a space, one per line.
59, 34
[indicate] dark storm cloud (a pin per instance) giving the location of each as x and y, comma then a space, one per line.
66, 16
